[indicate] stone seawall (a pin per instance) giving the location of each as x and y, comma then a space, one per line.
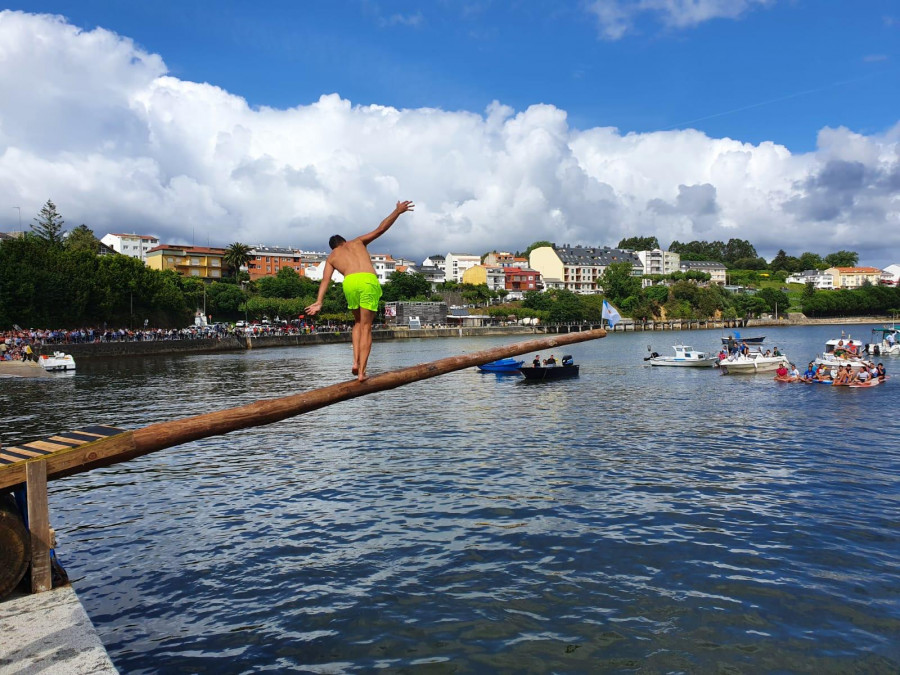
231, 344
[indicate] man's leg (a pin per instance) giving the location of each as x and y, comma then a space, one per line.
356, 333
364, 324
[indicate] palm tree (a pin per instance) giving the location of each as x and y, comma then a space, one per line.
237, 256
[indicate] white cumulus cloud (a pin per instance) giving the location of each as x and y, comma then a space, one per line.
96, 124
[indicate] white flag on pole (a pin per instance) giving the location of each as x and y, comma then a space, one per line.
610, 314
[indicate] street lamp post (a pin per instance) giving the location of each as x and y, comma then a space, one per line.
19, 209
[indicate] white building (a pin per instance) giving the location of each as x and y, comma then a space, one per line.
134, 245
456, 265
715, 270
437, 261
384, 266
819, 279
579, 268
660, 262
891, 275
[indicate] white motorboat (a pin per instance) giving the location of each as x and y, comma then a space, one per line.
752, 362
884, 341
58, 362
685, 357
842, 351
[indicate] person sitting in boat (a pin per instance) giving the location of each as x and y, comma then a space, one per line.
822, 373
882, 374
537, 361
745, 350
551, 361
768, 353
775, 352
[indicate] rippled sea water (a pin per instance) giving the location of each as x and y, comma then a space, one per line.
635, 519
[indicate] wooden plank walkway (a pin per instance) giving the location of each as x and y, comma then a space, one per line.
56, 443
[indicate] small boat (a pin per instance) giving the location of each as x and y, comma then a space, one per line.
502, 366
737, 339
884, 341
568, 368
754, 362
841, 352
58, 362
685, 356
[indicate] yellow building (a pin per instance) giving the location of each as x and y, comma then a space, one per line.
854, 277
189, 261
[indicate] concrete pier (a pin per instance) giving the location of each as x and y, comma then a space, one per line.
49, 633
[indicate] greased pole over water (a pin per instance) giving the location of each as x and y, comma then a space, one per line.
167, 434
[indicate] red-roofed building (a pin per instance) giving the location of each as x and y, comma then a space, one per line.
854, 277
521, 279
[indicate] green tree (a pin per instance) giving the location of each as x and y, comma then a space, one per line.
406, 286
737, 249
750, 264
237, 255
775, 300
48, 226
82, 238
639, 243
565, 307
618, 283
842, 259
811, 261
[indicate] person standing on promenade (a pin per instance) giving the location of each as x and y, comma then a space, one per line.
361, 287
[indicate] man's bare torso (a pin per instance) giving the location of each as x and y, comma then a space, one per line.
351, 257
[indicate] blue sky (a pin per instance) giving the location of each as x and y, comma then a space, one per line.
278, 122
779, 71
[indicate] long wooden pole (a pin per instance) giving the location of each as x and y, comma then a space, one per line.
167, 434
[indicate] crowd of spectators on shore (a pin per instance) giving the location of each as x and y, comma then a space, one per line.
20, 344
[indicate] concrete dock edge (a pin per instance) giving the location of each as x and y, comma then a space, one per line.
49, 633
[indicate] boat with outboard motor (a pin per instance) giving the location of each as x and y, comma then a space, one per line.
568, 368
885, 341
736, 338
685, 356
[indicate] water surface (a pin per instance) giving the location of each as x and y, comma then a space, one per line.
634, 519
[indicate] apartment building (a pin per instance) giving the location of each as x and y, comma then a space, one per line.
820, 280
456, 265
190, 261
134, 245
579, 268
854, 277
493, 277
715, 270
659, 262
519, 279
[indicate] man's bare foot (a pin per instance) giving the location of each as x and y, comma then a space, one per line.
355, 369
362, 377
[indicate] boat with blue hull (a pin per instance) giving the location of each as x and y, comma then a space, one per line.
510, 366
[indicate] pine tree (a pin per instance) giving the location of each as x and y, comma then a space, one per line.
49, 225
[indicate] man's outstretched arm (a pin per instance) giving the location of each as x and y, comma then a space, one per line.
402, 207
316, 307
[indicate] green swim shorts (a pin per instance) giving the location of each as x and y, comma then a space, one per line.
362, 290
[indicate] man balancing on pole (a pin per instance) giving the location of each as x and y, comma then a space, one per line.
361, 287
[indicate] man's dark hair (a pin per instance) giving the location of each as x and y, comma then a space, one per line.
335, 241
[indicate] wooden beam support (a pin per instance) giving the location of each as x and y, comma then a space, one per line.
167, 434
39, 526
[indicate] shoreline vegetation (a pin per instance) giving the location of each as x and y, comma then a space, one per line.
231, 343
